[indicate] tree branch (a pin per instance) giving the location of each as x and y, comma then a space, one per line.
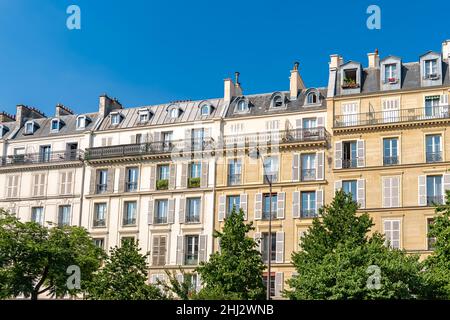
43, 278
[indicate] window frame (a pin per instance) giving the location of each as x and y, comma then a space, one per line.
131, 219
95, 218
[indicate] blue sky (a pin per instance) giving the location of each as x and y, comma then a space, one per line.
149, 52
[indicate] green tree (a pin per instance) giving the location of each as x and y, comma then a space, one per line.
34, 259
124, 276
235, 272
339, 260
174, 287
438, 263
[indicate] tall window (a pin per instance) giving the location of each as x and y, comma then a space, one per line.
350, 154
392, 233
99, 242
350, 187
308, 205
242, 106
234, 172
390, 151
102, 180
269, 205
195, 170
191, 250
430, 68
64, 216
198, 137
129, 214
81, 122
37, 215
432, 106
161, 211
45, 153
163, 172
308, 167
309, 123
434, 190
272, 284
159, 249
430, 240
132, 179
390, 73
433, 148
99, 215
193, 210
265, 246
233, 202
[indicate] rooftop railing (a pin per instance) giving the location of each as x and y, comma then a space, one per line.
41, 158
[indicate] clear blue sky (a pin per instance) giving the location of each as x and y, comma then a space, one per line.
148, 52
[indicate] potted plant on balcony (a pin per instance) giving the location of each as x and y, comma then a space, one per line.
193, 182
392, 80
162, 184
349, 83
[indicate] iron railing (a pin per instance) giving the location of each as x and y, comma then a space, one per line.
390, 161
99, 222
160, 220
392, 116
308, 174
434, 156
39, 158
129, 221
349, 163
102, 188
192, 218
234, 179
308, 213
435, 200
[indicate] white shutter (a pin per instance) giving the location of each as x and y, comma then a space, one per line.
184, 168
395, 192
198, 287
281, 197
244, 204
222, 200
35, 185
181, 212
296, 167
15, 192
172, 176
320, 158
422, 194
319, 200
392, 233
296, 204
361, 193
151, 208
280, 247
386, 192
278, 284
202, 248
257, 238
204, 178
338, 155
180, 250
320, 122
446, 182
337, 186
360, 153
298, 123
258, 206
153, 177
171, 213
42, 184
443, 101
69, 182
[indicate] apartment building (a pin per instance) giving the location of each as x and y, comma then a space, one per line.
41, 166
390, 140
151, 177
278, 137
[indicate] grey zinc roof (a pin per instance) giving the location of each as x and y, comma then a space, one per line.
68, 127
259, 104
10, 126
160, 115
370, 80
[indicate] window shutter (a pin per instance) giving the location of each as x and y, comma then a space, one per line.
103, 142
222, 200
446, 182
69, 182
204, 178
257, 238
296, 204
422, 196
395, 192
443, 101
181, 213
386, 192
320, 122
110, 180
338, 155
281, 204
319, 200
180, 250
243, 204
173, 176
280, 247
188, 139
156, 136
36, 185
180, 278
361, 193
122, 180
151, 209
198, 287
184, 168
15, 192
155, 250
9, 187
133, 139
360, 153
202, 248
153, 177
337, 186
278, 284
258, 206
320, 158
41, 191
171, 213
298, 123
93, 181
296, 167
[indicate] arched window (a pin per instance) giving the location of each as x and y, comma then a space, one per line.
174, 113
277, 101
312, 98
242, 106
205, 110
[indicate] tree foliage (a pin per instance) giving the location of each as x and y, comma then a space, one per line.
235, 271
34, 258
336, 254
124, 276
175, 288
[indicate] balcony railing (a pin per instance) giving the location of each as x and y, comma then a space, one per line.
308, 174
434, 156
234, 179
99, 223
266, 216
160, 220
349, 163
102, 188
191, 260
435, 200
192, 218
130, 186
311, 213
392, 116
128, 221
390, 161
38, 158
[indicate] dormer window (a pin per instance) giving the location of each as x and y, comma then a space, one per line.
81, 122
144, 115
350, 79
242, 106
390, 73
174, 113
55, 125
430, 69
205, 110
3, 130
312, 98
277, 101
115, 118
29, 127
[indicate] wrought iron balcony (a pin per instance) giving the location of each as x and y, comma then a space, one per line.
434, 156
128, 221
311, 213
192, 218
349, 163
392, 116
435, 200
390, 161
99, 223
160, 220
102, 188
234, 179
41, 158
308, 174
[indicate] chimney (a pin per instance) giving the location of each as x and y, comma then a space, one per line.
446, 50
107, 104
237, 84
374, 59
62, 110
6, 117
335, 61
295, 82
25, 113
229, 91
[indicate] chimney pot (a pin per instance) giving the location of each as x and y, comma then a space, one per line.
296, 64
